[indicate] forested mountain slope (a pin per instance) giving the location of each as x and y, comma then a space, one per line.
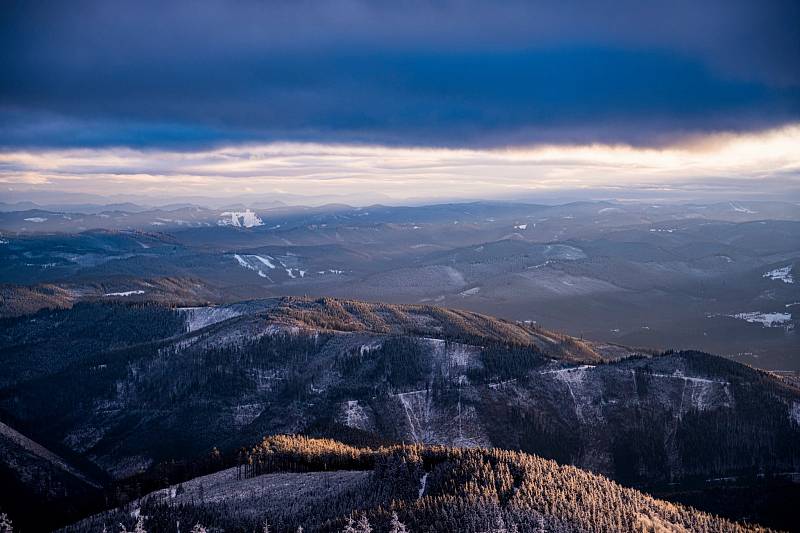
135, 387
320, 485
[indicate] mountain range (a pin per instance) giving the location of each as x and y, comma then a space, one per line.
137, 396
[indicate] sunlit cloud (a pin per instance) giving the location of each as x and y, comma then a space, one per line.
763, 164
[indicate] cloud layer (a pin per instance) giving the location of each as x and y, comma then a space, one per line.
755, 166
193, 75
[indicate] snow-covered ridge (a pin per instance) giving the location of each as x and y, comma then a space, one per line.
783, 274
240, 219
36, 219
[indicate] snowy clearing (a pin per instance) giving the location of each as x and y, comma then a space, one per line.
240, 219
125, 293
769, 320
783, 274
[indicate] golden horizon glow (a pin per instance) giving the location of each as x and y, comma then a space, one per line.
724, 162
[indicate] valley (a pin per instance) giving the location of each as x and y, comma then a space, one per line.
715, 277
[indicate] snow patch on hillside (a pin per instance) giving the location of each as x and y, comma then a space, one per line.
470, 292
573, 378
417, 407
200, 317
125, 293
783, 274
240, 219
794, 412
40, 451
245, 414
422, 483
768, 320
254, 263
741, 209
354, 415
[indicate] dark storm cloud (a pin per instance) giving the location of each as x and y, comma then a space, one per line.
190, 74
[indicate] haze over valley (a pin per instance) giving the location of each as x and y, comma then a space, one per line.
399, 267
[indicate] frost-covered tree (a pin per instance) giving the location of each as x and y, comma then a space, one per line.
138, 528
350, 526
199, 529
5, 524
363, 525
396, 526
265, 529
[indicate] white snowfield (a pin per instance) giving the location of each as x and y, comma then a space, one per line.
741, 209
783, 274
255, 262
36, 219
200, 317
125, 293
240, 219
768, 320
470, 292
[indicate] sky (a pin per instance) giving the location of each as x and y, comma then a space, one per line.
401, 101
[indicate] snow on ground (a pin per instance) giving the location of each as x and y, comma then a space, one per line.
573, 378
264, 260
422, 482
291, 272
200, 317
740, 209
125, 293
794, 412
244, 495
244, 414
783, 274
255, 262
698, 392
470, 292
40, 451
36, 219
240, 219
501, 384
521, 226
768, 320
417, 407
568, 370
354, 415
